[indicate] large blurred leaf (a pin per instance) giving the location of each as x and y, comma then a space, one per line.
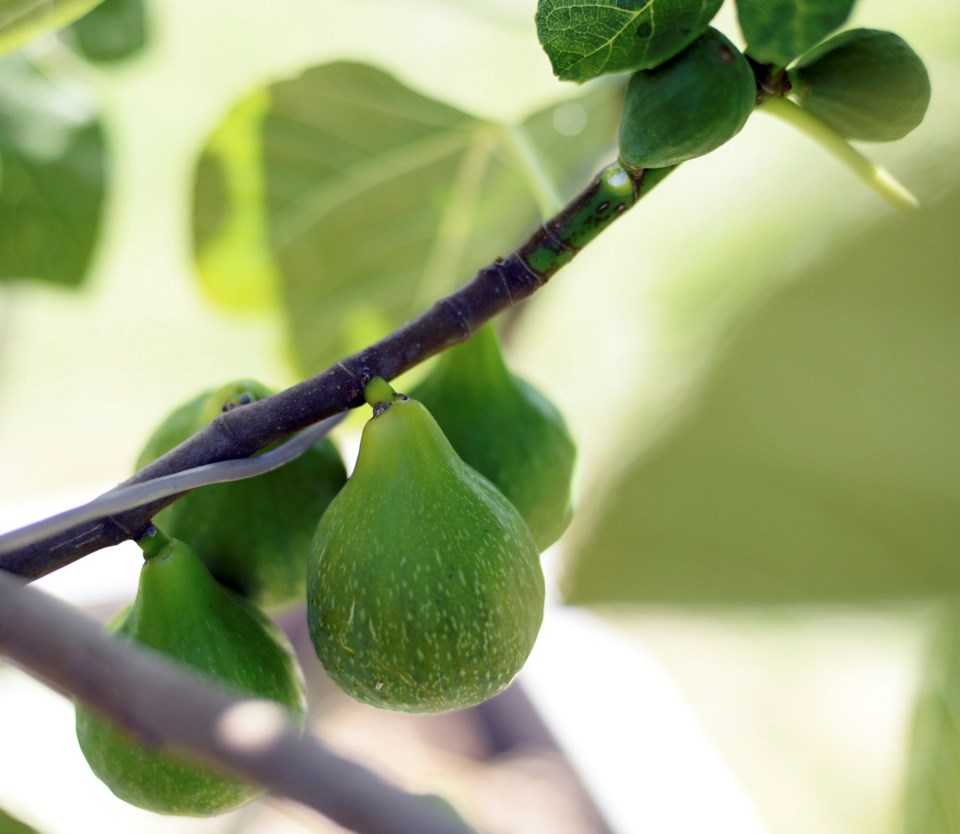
376, 199
777, 31
932, 799
52, 176
113, 31
821, 462
234, 262
585, 38
10, 825
22, 20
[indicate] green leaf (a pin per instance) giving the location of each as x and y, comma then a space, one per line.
11, 825
113, 31
374, 200
820, 461
52, 176
777, 31
931, 800
586, 38
23, 20
234, 263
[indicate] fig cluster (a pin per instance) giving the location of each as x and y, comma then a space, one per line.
865, 84
421, 573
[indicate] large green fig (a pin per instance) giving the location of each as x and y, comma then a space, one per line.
688, 105
253, 535
425, 591
181, 611
506, 430
865, 83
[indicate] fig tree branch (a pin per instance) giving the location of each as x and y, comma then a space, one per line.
243, 431
123, 498
168, 708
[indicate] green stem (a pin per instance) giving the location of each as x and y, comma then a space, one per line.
875, 176
542, 186
154, 543
378, 390
611, 193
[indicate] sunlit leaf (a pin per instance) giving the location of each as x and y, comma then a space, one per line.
374, 199
52, 176
820, 461
931, 799
113, 31
586, 38
777, 31
23, 20
234, 263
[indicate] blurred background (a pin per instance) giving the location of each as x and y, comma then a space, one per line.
751, 626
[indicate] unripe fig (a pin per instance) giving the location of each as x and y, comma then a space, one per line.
425, 591
506, 430
865, 83
181, 611
252, 535
688, 105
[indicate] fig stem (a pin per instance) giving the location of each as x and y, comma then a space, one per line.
378, 390
875, 176
153, 543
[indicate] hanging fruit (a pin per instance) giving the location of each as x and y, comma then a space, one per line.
424, 591
506, 430
252, 535
182, 612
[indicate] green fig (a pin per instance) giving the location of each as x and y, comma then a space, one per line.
253, 535
506, 430
181, 611
688, 105
425, 591
865, 83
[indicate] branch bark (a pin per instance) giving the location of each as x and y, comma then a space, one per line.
164, 705
243, 431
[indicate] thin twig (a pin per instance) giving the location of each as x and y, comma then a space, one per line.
164, 705
243, 431
123, 498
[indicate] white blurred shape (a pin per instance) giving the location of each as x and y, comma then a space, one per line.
630, 734
251, 726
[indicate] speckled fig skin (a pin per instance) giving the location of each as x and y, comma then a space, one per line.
424, 591
506, 430
183, 613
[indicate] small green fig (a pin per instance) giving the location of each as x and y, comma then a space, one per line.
865, 83
181, 611
252, 535
425, 591
687, 106
506, 430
